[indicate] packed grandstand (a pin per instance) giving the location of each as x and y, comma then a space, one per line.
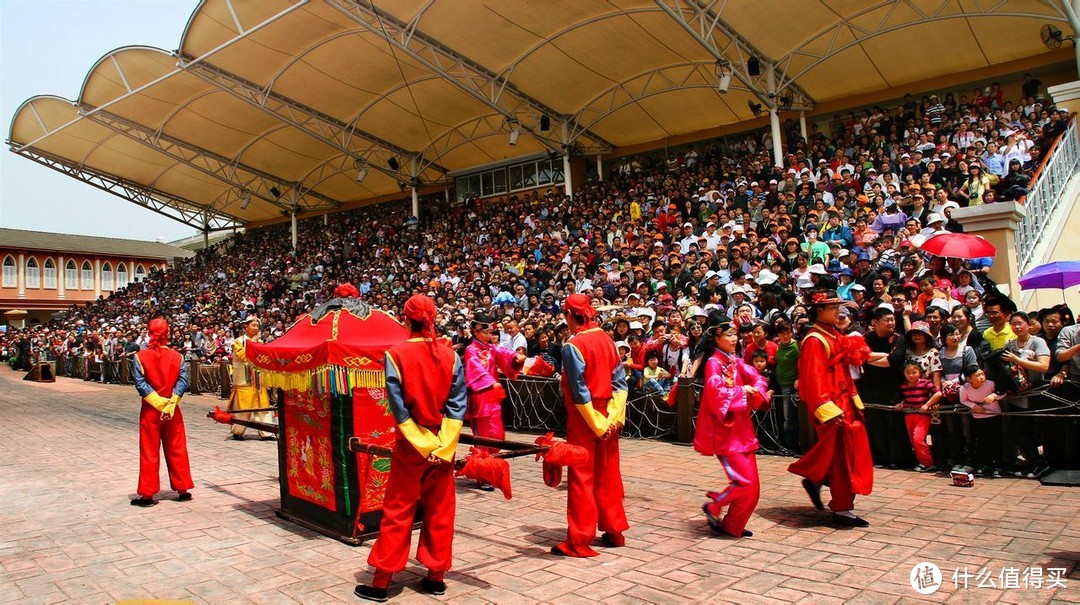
665, 244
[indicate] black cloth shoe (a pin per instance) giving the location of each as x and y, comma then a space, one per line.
713, 520
613, 540
184, 497
238, 437
557, 552
370, 593
849, 521
814, 491
144, 502
432, 587
486, 487
746, 533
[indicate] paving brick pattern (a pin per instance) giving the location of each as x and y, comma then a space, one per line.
68, 465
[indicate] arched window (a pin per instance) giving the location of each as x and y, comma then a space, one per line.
140, 272
33, 273
71, 276
11, 278
106, 277
49, 271
87, 275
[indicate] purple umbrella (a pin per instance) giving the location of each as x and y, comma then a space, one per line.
1059, 274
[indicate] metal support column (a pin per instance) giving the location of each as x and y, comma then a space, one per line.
802, 125
599, 169
774, 118
568, 182
1072, 11
292, 217
415, 202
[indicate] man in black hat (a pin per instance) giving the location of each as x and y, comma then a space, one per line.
841, 457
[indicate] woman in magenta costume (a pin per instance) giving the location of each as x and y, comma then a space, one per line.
841, 457
724, 429
483, 361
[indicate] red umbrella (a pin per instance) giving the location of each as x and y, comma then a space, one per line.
959, 245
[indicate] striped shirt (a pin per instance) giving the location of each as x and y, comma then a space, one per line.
916, 395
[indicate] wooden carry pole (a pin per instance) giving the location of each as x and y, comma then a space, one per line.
514, 449
251, 424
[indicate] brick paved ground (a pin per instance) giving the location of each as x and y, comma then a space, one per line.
68, 465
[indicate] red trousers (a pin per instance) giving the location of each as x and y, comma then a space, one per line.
918, 426
839, 480
414, 480
489, 426
742, 493
594, 491
155, 434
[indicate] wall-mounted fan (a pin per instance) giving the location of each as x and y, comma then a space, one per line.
1052, 36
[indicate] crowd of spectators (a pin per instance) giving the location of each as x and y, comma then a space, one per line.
666, 244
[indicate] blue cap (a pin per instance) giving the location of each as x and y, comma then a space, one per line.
847, 272
862, 255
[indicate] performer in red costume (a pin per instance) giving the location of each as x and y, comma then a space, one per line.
425, 384
725, 430
483, 360
841, 457
161, 379
594, 391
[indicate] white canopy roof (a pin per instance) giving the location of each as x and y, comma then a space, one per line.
268, 103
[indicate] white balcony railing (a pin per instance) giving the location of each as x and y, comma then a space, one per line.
1045, 196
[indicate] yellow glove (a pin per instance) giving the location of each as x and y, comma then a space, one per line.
596, 421
157, 401
448, 439
617, 408
422, 439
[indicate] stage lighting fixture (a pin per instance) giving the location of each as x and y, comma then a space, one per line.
723, 73
245, 199
755, 108
753, 66
393, 164
274, 191
361, 170
515, 134
545, 123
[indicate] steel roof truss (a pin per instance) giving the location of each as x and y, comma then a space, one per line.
703, 25
231, 172
680, 76
312, 122
887, 25
494, 90
166, 204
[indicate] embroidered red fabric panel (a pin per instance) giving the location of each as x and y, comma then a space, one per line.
309, 457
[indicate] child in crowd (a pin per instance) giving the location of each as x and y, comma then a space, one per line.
657, 379
760, 360
919, 396
787, 372
978, 393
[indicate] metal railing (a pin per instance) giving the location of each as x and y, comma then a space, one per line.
1045, 195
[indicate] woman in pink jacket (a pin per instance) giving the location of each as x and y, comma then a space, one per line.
483, 360
724, 429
